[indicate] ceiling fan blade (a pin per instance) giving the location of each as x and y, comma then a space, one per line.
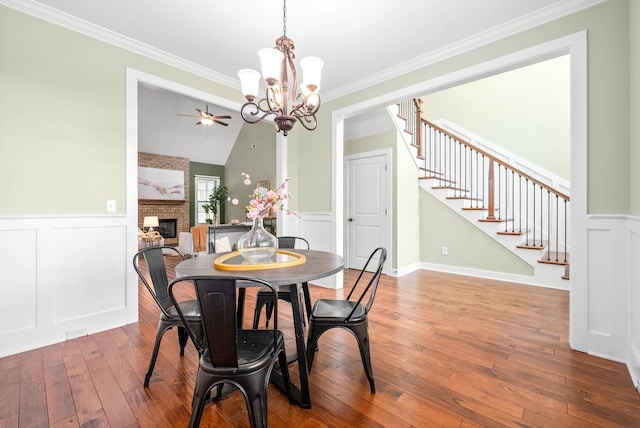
188, 115
221, 123
222, 117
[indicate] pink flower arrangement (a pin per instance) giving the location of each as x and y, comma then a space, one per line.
261, 204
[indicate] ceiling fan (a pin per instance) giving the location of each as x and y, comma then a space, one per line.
207, 118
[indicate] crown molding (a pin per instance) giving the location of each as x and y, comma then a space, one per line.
515, 26
510, 28
65, 20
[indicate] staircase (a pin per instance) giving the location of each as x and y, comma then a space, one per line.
521, 211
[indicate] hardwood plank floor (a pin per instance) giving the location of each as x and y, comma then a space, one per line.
447, 350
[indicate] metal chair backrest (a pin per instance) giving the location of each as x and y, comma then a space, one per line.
289, 242
216, 296
372, 286
154, 258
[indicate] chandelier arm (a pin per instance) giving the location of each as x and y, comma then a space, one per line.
301, 109
272, 102
308, 121
252, 112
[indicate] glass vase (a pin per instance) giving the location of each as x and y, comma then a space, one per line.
257, 245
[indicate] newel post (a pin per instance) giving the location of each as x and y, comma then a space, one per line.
419, 139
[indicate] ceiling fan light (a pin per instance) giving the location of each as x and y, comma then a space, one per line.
206, 121
271, 60
249, 81
311, 71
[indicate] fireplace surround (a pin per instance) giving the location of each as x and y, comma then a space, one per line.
168, 227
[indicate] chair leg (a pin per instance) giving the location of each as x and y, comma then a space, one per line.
284, 369
260, 303
361, 332
307, 299
254, 389
268, 312
162, 327
183, 337
200, 394
313, 335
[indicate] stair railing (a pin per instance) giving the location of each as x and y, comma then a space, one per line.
524, 204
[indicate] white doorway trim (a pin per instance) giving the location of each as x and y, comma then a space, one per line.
574, 45
133, 79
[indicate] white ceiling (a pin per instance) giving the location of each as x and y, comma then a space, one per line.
362, 42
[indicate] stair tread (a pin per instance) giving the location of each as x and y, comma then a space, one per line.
537, 245
513, 232
555, 258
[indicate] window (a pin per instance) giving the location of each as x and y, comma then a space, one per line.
204, 186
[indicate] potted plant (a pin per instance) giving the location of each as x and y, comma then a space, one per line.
217, 198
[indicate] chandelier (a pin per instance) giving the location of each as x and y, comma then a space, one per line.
288, 103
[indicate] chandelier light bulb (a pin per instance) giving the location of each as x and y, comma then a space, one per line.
311, 98
271, 60
311, 71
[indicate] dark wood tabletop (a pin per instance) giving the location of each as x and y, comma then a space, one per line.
319, 264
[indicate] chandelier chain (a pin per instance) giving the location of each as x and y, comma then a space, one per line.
284, 18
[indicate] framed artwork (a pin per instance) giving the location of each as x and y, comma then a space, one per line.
156, 184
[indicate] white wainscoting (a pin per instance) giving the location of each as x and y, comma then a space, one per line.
64, 277
317, 228
633, 360
607, 287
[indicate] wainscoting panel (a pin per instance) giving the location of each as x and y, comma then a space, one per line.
318, 230
634, 300
607, 288
18, 309
64, 277
97, 284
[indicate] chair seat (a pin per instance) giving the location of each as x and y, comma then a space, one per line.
190, 309
337, 310
254, 351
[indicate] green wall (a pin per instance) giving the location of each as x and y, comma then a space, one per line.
525, 111
198, 168
634, 158
253, 153
62, 117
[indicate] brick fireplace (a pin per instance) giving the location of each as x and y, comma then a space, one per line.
166, 210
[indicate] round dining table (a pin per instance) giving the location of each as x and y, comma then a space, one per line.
317, 264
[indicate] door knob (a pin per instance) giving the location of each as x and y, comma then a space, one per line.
350, 219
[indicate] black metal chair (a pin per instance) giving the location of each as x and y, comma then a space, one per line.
348, 314
264, 298
169, 318
242, 358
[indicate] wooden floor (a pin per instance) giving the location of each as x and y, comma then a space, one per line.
447, 351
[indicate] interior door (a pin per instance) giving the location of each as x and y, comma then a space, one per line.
367, 207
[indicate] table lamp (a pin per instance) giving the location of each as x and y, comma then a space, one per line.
150, 222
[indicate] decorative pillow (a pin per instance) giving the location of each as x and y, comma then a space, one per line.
222, 245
